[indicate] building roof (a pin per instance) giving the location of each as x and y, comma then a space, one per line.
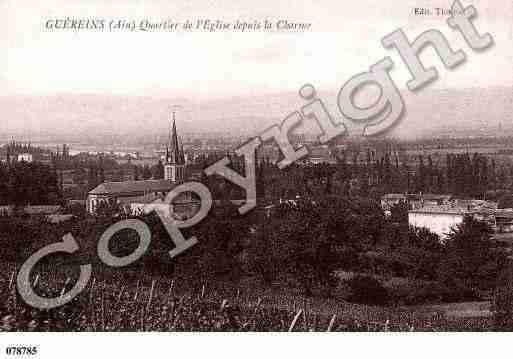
476, 204
431, 196
441, 209
133, 187
394, 196
41, 210
59, 218
506, 213
453, 208
424, 196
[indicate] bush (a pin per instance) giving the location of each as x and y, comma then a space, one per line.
502, 303
367, 290
439, 293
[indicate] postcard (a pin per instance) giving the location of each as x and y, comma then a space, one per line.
272, 173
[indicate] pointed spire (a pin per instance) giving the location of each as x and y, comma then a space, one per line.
174, 155
172, 132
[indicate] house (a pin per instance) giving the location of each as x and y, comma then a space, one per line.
476, 204
389, 200
6, 211
41, 210
34, 211
184, 206
59, 218
318, 155
127, 192
413, 200
25, 157
428, 199
504, 220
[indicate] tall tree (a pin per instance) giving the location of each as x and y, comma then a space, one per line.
472, 257
158, 170
146, 172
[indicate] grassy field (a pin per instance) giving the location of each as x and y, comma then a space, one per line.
134, 302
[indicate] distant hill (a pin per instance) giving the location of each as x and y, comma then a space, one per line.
459, 113
455, 112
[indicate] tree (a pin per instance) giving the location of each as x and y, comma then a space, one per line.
505, 201
158, 170
472, 258
4, 187
421, 176
502, 304
92, 177
399, 212
29, 183
101, 170
367, 290
146, 172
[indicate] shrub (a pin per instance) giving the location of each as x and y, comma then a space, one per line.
502, 303
367, 290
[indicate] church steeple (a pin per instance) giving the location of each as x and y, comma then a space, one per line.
174, 168
174, 154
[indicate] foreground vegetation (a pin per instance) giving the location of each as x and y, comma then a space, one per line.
124, 303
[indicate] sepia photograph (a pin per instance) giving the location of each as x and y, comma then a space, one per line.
196, 172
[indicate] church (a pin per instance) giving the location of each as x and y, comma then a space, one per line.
134, 195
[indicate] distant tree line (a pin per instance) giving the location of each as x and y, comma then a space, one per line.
146, 172
462, 175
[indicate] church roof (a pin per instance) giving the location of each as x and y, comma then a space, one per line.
133, 187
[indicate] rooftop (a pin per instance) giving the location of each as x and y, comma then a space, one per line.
112, 188
35, 210
442, 209
429, 196
504, 213
453, 208
417, 196
393, 196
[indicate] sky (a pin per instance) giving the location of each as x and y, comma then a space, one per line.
202, 66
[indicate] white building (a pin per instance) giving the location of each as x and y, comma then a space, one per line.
438, 219
25, 157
